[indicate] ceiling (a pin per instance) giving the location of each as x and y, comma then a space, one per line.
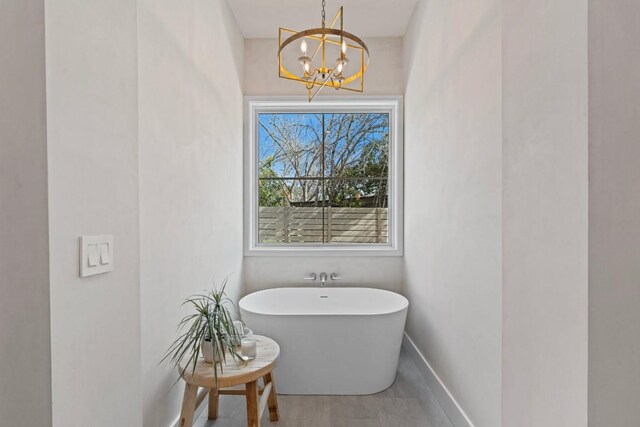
364, 18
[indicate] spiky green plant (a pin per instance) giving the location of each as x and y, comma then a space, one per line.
211, 321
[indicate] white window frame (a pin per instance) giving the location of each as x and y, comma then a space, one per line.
389, 104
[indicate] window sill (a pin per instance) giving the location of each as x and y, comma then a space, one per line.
318, 251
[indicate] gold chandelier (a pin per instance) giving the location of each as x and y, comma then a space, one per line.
315, 64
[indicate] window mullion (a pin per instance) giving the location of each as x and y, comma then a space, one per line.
324, 186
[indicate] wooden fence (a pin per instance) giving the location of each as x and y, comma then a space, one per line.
305, 225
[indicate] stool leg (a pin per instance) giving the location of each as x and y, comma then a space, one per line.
274, 413
213, 403
188, 405
253, 416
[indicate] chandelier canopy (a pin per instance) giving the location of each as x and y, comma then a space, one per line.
310, 53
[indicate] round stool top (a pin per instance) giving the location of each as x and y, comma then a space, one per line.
232, 372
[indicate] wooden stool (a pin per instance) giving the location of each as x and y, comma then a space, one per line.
234, 374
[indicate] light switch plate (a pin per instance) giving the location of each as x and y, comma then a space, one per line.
96, 255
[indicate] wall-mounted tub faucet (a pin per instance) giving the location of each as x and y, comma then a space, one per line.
323, 278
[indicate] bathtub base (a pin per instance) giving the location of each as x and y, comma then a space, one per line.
333, 354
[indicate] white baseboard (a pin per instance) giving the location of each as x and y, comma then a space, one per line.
448, 403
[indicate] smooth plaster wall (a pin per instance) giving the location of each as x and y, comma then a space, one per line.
614, 219
25, 348
273, 272
452, 268
93, 189
384, 77
545, 210
190, 109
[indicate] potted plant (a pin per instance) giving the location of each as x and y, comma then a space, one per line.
209, 331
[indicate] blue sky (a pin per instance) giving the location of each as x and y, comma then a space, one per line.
306, 130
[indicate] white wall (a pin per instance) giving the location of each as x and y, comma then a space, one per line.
93, 189
545, 209
614, 206
384, 77
25, 351
273, 272
190, 109
144, 113
453, 197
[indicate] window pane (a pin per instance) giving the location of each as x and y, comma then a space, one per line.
357, 145
323, 178
356, 211
290, 145
290, 211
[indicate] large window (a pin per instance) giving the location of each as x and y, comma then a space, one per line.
323, 177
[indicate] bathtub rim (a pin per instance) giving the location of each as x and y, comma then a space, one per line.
405, 302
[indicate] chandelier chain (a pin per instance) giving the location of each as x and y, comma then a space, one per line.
323, 14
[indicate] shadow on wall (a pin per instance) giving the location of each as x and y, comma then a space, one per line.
161, 22
190, 137
453, 188
448, 63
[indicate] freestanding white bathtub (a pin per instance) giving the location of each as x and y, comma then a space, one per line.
332, 340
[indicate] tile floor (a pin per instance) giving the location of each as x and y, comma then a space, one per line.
407, 403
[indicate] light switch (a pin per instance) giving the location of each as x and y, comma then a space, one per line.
93, 255
105, 258
96, 255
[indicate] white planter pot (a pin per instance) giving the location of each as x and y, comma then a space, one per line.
206, 347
